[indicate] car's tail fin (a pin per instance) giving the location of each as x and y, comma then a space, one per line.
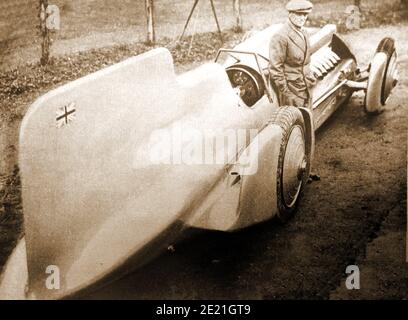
90, 202
76, 163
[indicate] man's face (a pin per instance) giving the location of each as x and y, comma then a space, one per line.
298, 18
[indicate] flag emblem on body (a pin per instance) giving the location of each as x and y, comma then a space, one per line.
65, 115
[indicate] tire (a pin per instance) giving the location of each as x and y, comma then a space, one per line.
382, 77
387, 45
293, 162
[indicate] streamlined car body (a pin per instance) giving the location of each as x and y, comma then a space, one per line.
116, 164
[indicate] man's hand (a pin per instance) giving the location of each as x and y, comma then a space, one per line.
311, 79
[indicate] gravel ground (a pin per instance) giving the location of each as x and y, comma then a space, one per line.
382, 273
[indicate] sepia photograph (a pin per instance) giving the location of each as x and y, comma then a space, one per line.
177, 150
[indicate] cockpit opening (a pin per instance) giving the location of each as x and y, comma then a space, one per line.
248, 82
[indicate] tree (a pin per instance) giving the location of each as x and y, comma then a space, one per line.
236, 4
45, 44
151, 36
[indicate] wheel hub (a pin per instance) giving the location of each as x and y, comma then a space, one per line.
294, 166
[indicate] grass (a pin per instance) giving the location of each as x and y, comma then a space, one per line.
87, 24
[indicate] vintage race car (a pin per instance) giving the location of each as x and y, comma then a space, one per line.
113, 167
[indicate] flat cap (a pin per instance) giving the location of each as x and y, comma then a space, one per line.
299, 6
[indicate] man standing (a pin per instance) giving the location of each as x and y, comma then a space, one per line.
290, 58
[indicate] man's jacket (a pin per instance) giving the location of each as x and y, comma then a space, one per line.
289, 63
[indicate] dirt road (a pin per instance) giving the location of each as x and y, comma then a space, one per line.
356, 214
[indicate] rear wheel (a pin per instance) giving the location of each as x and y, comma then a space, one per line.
293, 162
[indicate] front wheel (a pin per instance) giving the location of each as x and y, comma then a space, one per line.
383, 76
293, 162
